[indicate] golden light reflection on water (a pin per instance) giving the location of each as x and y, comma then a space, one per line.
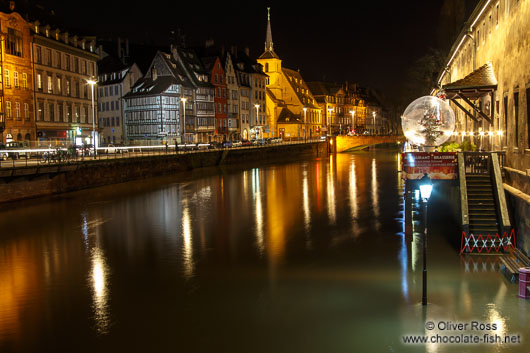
353, 192
330, 184
375, 196
187, 249
305, 193
260, 240
99, 281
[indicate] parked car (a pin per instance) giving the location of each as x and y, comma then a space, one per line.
3, 154
237, 143
227, 144
259, 142
246, 143
15, 145
215, 144
111, 149
276, 140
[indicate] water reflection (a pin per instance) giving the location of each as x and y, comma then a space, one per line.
99, 280
305, 193
375, 196
187, 250
353, 195
330, 184
260, 240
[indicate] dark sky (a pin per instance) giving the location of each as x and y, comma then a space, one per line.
370, 42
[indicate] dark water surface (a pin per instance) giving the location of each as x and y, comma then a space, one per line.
294, 257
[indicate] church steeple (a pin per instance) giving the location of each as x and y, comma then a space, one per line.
269, 45
268, 40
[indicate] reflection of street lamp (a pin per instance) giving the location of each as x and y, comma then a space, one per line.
425, 191
305, 123
353, 118
257, 115
92, 82
183, 100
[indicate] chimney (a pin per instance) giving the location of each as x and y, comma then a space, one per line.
12, 5
247, 51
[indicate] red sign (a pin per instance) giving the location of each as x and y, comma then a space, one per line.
438, 165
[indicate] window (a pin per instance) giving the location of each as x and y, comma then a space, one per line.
6, 80
14, 42
516, 117
26, 111
57, 59
528, 115
61, 112
50, 84
9, 114
17, 110
67, 87
51, 111
15, 79
38, 55
40, 111
59, 85
69, 113
67, 62
48, 57
24, 80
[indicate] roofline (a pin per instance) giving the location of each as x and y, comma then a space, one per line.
468, 27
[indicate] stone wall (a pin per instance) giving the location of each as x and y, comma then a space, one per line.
45, 180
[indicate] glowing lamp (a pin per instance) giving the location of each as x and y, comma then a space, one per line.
425, 187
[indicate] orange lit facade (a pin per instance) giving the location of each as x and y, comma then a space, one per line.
16, 80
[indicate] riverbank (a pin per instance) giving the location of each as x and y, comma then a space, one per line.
37, 181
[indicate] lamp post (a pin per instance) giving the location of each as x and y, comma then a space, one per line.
353, 119
329, 118
92, 82
373, 114
257, 115
183, 100
425, 192
305, 124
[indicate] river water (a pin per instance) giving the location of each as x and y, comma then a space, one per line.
302, 257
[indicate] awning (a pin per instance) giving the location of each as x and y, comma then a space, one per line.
477, 84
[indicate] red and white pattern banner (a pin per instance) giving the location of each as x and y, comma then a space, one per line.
487, 243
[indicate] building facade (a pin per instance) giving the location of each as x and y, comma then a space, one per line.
487, 81
232, 99
62, 65
289, 102
115, 80
17, 118
218, 79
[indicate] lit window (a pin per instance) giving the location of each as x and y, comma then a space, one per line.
15, 79
24, 80
6, 80
9, 114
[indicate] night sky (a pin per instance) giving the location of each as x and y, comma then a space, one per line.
369, 42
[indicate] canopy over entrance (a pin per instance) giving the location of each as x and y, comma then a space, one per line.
476, 85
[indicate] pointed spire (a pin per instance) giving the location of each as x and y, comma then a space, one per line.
269, 46
268, 40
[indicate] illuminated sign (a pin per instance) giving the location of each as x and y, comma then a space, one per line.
438, 165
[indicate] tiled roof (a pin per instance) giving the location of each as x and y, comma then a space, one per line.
483, 77
288, 117
148, 87
300, 87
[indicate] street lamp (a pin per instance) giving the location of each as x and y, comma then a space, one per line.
305, 123
257, 115
353, 118
425, 192
373, 114
92, 82
183, 100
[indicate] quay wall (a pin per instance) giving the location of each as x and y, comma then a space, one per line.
30, 182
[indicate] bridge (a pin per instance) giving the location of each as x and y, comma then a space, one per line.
345, 143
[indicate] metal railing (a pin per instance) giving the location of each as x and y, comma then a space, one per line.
28, 157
